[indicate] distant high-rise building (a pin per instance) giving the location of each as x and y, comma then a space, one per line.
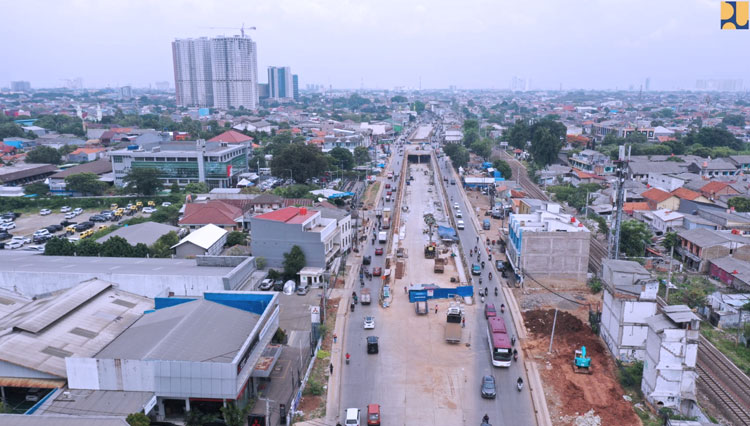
295, 84
162, 86
648, 83
126, 92
720, 85
280, 85
221, 72
263, 91
20, 86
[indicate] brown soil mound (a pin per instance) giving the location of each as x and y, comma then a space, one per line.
575, 394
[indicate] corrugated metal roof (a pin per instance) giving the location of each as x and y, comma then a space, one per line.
58, 420
68, 301
204, 237
192, 331
82, 402
17, 382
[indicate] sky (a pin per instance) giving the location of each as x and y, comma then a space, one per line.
383, 44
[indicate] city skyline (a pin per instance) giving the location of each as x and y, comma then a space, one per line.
606, 45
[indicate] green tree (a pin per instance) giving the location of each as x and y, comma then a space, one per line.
518, 134
636, 137
294, 261
458, 154
195, 417
175, 188
43, 154
260, 262
634, 237
305, 162
504, 168
67, 149
671, 239
482, 148
88, 247
471, 132
38, 188
419, 106
61, 123
140, 250
740, 204
163, 246
144, 180
116, 247
197, 188
342, 158
168, 215
734, 120
544, 147
297, 190
361, 155
234, 415
138, 419
713, 137
236, 238
59, 247
399, 99
85, 183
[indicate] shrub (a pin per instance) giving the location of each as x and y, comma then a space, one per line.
595, 285
313, 388
261, 262
631, 374
236, 238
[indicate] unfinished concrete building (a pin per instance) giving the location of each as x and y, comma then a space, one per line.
671, 351
629, 299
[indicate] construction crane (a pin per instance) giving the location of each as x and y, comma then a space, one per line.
242, 28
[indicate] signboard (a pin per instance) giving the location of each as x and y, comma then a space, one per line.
149, 405
315, 314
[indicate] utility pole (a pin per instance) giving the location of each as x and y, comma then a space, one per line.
552, 337
621, 175
669, 275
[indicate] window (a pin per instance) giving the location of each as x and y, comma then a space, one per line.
117, 159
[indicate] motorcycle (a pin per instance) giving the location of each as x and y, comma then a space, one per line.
347, 358
515, 354
519, 384
502, 306
482, 299
352, 306
483, 264
495, 291
490, 275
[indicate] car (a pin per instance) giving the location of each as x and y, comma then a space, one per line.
38, 239
13, 244
453, 182
78, 210
278, 285
65, 209
372, 345
74, 239
45, 212
97, 218
22, 239
389, 193
373, 415
476, 269
37, 248
500, 265
369, 323
387, 186
166, 204
149, 210
460, 224
367, 260
459, 214
456, 206
377, 271
53, 228
266, 284
489, 310
66, 223
70, 215
379, 251
5, 236
43, 231
303, 290
352, 417
489, 390
10, 215
7, 226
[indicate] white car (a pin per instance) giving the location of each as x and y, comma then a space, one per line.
73, 239
456, 206
41, 232
78, 211
64, 209
148, 210
38, 248
166, 204
45, 212
7, 226
23, 240
70, 215
458, 213
13, 244
369, 323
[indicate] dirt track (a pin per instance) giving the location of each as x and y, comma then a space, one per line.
570, 394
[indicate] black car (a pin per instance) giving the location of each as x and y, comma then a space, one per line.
84, 226
66, 223
278, 285
54, 228
4, 235
488, 387
366, 260
372, 344
11, 215
98, 218
42, 238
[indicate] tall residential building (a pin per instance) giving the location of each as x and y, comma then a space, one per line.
20, 86
280, 85
221, 72
295, 84
126, 92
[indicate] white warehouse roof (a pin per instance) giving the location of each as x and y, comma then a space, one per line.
204, 237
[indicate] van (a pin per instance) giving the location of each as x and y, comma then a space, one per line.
460, 224
352, 417
486, 225
373, 415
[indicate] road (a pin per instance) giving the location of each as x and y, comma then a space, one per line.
417, 378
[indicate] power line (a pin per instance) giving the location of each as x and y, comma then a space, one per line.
526, 274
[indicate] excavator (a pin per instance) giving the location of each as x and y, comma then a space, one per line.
582, 363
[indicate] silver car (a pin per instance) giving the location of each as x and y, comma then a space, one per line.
369, 323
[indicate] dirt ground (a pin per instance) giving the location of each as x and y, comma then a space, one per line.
570, 395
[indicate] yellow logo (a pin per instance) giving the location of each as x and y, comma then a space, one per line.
734, 15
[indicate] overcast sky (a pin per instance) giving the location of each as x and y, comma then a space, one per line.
383, 43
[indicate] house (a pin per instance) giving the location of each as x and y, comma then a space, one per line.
725, 308
22, 174
731, 271
639, 170
142, 233
671, 351
663, 221
82, 155
101, 167
6, 149
693, 221
629, 298
714, 189
232, 136
665, 182
579, 177
591, 161
699, 246
216, 212
276, 232
742, 162
631, 208
209, 240
686, 194
344, 235
713, 167
265, 203
658, 199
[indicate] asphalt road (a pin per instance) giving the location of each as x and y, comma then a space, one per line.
384, 378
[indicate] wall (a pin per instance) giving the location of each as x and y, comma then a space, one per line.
240, 274
271, 240
562, 255
189, 249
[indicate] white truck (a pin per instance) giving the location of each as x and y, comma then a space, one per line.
453, 324
382, 237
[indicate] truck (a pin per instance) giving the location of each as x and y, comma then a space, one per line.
382, 237
387, 212
453, 324
364, 296
429, 251
386, 224
439, 265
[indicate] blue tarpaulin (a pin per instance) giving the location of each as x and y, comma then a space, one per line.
342, 194
447, 233
381, 165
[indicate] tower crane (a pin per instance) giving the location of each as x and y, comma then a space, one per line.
242, 29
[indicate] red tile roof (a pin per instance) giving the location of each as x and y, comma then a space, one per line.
630, 207
585, 175
87, 151
714, 186
216, 212
293, 215
231, 136
517, 194
656, 194
685, 194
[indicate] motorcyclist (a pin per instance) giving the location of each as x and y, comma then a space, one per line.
519, 382
486, 418
495, 291
486, 292
490, 275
